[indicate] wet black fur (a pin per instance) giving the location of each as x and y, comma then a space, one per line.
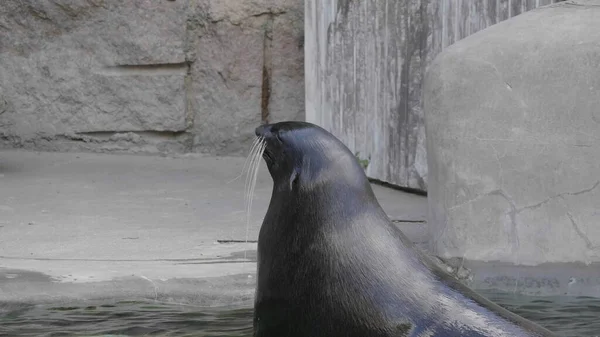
330, 263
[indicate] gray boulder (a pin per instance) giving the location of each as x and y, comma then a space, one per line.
513, 139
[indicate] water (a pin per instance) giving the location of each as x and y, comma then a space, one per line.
130, 318
568, 316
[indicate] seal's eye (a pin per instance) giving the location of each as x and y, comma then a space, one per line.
278, 137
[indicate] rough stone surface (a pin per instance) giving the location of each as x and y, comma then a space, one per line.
512, 124
287, 66
62, 67
242, 68
147, 76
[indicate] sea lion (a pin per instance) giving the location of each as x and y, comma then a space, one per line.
331, 263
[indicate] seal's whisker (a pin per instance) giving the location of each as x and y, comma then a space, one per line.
248, 168
253, 186
253, 158
251, 177
245, 167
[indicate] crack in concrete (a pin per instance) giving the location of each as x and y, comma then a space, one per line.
181, 68
164, 133
409, 221
514, 235
533, 206
240, 20
438, 236
586, 190
560, 195
575, 4
580, 233
468, 201
514, 211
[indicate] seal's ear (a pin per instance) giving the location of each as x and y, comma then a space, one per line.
294, 179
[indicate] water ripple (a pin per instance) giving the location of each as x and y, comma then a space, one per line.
568, 316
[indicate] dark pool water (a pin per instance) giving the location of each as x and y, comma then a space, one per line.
568, 316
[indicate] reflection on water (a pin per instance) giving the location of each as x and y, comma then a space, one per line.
568, 316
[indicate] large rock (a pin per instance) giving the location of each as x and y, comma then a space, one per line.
513, 139
150, 76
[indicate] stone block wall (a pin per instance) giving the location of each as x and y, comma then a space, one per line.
149, 76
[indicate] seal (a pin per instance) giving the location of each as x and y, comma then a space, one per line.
331, 263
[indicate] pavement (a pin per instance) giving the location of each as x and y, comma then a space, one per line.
82, 226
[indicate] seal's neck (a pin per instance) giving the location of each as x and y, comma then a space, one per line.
305, 208
316, 189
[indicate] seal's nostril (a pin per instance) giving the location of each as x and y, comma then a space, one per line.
262, 130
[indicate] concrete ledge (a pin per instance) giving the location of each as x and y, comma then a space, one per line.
77, 226
228, 280
22, 286
82, 226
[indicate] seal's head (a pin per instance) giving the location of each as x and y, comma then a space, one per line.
301, 154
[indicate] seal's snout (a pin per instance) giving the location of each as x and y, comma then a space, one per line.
263, 131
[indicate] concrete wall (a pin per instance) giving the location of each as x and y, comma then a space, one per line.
364, 62
148, 76
364, 69
453, 20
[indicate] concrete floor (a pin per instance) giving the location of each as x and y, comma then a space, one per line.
76, 226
